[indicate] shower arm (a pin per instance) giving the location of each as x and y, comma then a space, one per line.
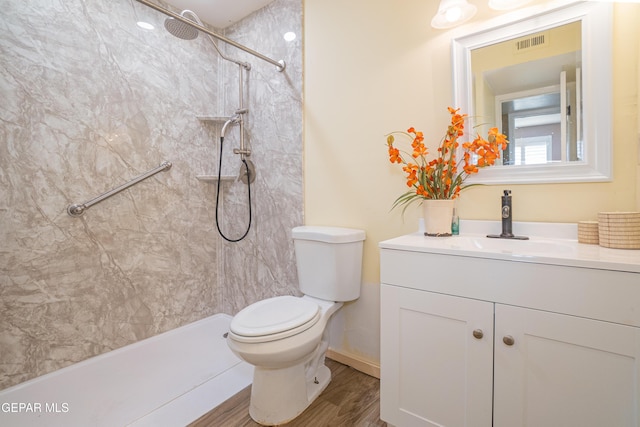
244, 65
280, 65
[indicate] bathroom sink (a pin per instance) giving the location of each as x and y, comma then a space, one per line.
520, 247
480, 244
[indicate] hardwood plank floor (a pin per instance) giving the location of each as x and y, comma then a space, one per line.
352, 399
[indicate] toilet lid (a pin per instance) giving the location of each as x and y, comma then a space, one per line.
285, 316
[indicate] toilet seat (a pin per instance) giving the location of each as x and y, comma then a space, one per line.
274, 318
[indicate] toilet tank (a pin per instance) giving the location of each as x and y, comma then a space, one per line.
329, 261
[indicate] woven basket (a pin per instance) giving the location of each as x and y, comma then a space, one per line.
588, 232
619, 230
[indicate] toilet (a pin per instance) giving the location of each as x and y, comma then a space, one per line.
285, 338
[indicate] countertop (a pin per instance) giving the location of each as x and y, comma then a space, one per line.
549, 243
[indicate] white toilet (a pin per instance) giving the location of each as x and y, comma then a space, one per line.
285, 337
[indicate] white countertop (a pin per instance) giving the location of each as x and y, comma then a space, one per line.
549, 243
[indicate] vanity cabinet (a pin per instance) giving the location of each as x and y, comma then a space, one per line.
433, 371
469, 341
552, 369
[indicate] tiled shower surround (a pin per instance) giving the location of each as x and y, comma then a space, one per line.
89, 101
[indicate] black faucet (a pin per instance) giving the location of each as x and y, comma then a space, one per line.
507, 220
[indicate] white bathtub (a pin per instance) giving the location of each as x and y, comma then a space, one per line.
167, 380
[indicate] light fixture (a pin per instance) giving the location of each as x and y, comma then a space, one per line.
145, 25
452, 13
142, 23
290, 36
507, 4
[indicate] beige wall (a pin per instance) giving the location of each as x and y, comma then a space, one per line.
372, 67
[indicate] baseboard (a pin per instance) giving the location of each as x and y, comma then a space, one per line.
355, 362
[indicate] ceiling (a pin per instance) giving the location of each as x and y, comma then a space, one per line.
220, 13
533, 74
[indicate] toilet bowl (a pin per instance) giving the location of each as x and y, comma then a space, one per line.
289, 365
286, 337
283, 341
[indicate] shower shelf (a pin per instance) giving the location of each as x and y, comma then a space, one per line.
217, 119
214, 178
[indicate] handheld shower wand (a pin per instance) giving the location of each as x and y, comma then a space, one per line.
247, 170
235, 119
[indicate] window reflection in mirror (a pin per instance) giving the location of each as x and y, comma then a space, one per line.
530, 87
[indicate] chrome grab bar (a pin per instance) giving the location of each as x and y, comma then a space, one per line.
79, 208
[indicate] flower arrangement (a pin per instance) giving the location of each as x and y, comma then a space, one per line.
439, 178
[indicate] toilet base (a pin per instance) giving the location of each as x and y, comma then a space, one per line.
280, 395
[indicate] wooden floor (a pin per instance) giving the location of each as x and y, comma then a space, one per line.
352, 399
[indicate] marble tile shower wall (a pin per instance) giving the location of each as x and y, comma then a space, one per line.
264, 265
90, 101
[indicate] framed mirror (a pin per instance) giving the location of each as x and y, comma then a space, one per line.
545, 82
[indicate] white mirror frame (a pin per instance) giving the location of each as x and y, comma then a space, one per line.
596, 21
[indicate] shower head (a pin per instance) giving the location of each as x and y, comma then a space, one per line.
180, 29
185, 31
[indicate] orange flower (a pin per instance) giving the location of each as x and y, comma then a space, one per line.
412, 174
394, 155
419, 150
439, 177
470, 169
420, 191
498, 138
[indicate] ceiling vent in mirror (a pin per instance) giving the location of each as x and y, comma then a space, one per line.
530, 42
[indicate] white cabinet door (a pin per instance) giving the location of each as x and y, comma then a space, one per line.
564, 371
434, 372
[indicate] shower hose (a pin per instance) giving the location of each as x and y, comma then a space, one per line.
218, 197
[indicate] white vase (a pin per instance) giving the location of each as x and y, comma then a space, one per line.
437, 216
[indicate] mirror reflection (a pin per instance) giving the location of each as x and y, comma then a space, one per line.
545, 82
530, 88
